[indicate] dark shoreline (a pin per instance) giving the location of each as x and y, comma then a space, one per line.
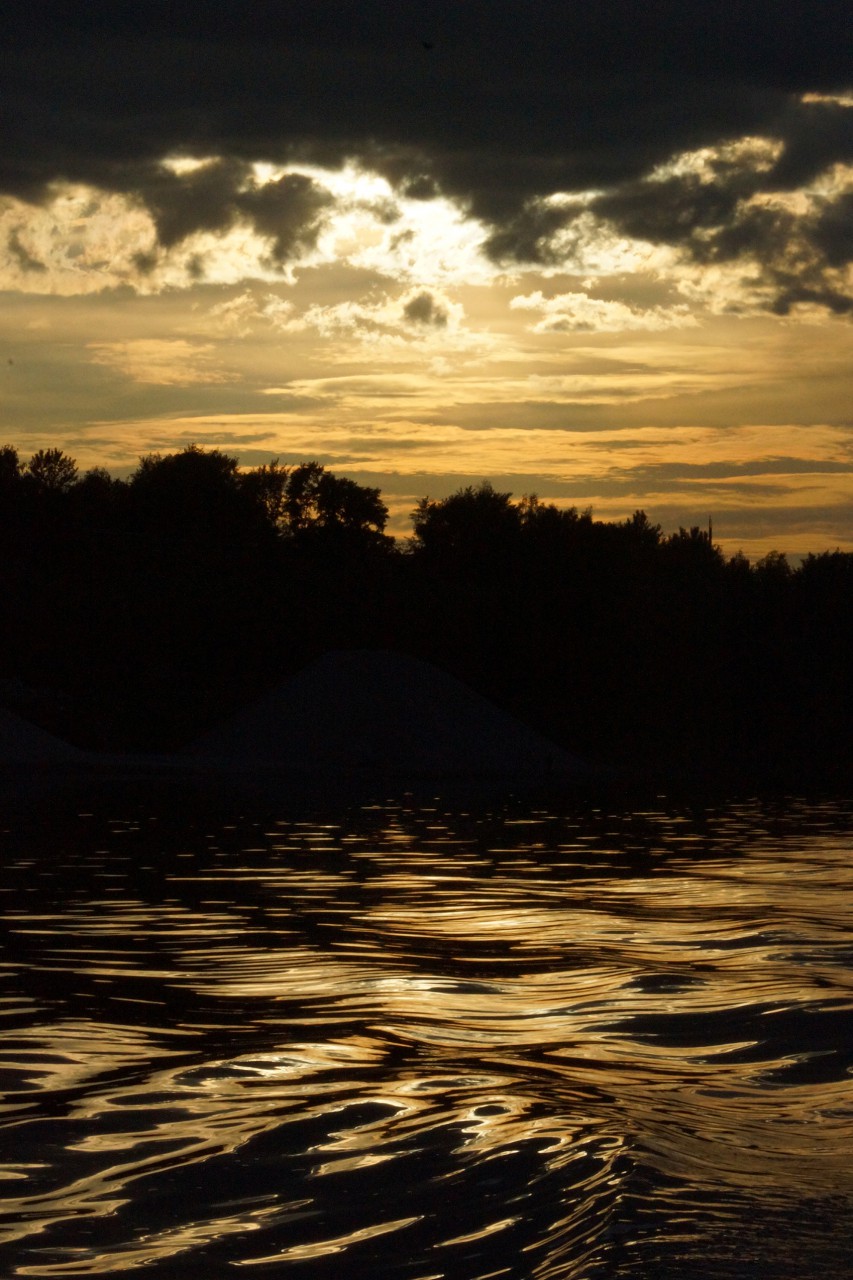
174, 785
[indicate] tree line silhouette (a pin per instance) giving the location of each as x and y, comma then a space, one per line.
136, 613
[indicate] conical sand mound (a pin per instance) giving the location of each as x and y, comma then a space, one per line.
377, 710
24, 743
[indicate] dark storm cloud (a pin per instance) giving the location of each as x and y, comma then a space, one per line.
817, 134
289, 211
200, 201
22, 255
211, 198
495, 103
528, 235
714, 218
833, 231
674, 210
424, 309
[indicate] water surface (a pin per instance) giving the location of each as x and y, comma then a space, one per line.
409, 1041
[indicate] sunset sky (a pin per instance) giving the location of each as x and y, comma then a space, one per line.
597, 251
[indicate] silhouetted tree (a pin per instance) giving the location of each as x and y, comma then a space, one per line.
267, 487
316, 501
641, 531
11, 469
156, 605
475, 523
194, 479
51, 470
822, 619
693, 549
97, 480
773, 567
193, 504
548, 529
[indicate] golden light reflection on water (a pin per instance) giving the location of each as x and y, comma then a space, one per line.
535, 1047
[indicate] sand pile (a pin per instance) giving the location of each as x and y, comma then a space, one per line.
24, 743
378, 710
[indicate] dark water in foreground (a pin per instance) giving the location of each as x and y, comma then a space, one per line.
413, 1043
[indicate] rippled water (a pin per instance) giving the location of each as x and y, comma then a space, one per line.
408, 1042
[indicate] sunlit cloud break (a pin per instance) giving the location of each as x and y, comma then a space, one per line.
579, 313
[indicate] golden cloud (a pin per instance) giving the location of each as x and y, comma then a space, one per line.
161, 361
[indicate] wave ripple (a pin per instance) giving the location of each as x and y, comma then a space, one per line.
414, 1042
